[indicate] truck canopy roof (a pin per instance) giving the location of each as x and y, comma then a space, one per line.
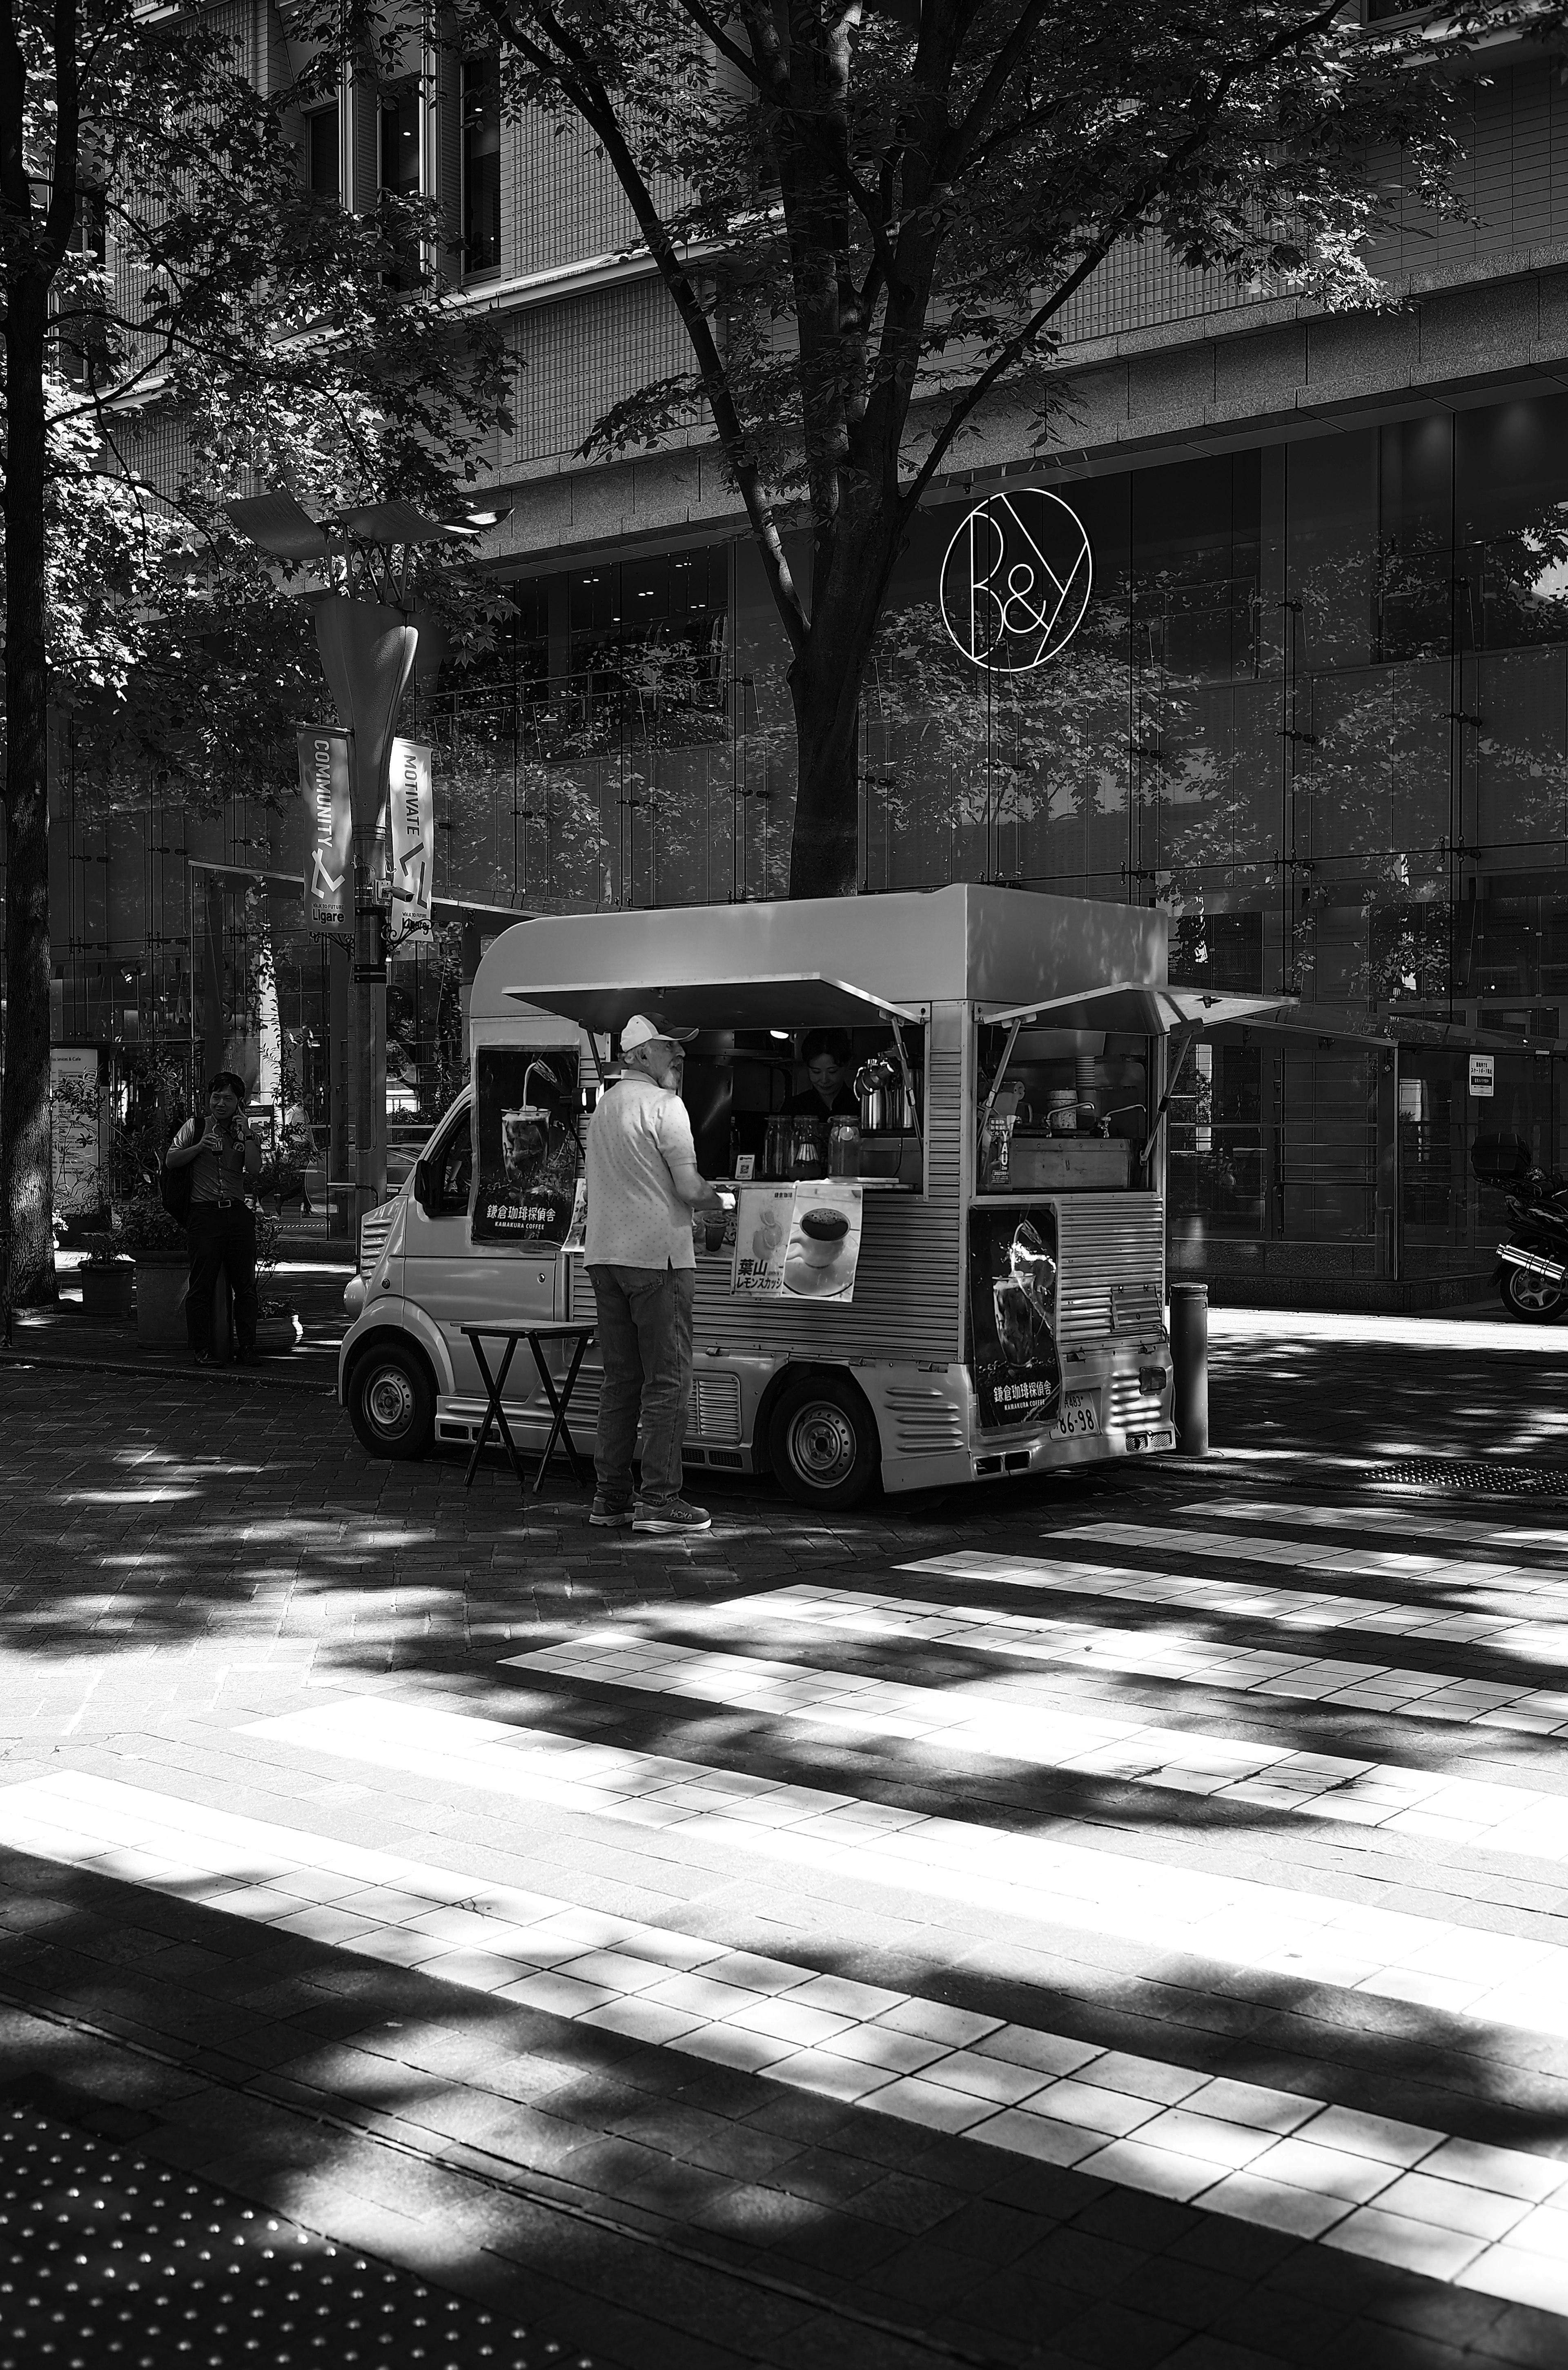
839, 960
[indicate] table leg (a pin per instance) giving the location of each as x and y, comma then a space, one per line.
494, 1385
560, 1430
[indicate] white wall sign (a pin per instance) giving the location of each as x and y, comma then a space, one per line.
79, 1129
1016, 581
1482, 1068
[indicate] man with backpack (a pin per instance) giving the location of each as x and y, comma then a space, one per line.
224, 1161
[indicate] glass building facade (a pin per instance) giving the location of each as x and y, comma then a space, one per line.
1318, 707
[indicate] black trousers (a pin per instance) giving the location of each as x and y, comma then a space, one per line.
222, 1242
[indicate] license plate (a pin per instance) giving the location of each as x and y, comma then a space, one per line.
1080, 1413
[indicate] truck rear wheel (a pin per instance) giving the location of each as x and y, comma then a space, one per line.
391, 1404
823, 1443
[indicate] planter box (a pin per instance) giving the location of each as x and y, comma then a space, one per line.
160, 1304
106, 1292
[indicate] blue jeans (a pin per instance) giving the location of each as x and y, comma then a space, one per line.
645, 1350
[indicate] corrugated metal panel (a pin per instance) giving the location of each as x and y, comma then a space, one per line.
716, 1407
907, 1301
1132, 1410
924, 1420
375, 1228
1113, 1265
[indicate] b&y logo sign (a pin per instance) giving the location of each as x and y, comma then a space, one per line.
1016, 581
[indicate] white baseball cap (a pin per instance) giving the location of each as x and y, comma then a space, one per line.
640, 1031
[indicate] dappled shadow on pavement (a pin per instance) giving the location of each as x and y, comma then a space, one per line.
662, 2210
1350, 1399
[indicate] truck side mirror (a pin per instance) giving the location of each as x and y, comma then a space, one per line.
424, 1187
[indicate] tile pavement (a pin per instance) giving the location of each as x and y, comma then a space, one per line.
176, 1576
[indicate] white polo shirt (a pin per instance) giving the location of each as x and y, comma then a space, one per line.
636, 1218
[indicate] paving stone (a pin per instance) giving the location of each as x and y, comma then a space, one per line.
339, 1573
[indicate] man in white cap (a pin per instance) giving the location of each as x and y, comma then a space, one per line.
643, 1191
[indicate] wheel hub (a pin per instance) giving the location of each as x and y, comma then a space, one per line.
390, 1402
822, 1446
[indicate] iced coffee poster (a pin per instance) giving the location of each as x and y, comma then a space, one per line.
526, 1177
798, 1242
1012, 1314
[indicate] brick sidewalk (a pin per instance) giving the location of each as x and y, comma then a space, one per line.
215, 1611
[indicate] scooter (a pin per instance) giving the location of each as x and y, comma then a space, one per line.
1532, 1266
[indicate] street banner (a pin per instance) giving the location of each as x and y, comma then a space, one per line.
412, 801
1012, 1314
797, 1242
526, 1178
324, 781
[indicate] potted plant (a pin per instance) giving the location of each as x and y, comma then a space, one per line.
107, 1280
157, 1244
277, 1327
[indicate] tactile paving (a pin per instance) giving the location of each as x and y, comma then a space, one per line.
1472, 1480
106, 2257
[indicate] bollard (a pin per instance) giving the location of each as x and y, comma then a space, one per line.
1189, 1359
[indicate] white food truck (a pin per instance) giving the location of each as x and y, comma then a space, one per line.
963, 1277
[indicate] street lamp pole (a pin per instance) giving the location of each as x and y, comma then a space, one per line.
367, 647
367, 655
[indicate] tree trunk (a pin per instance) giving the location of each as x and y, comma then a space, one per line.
824, 846
26, 1182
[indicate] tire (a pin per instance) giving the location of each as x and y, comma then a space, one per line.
1530, 1302
823, 1443
391, 1402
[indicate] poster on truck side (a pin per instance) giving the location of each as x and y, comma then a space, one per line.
797, 1242
1012, 1315
525, 1172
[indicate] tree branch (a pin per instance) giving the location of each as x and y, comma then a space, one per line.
1206, 108
60, 221
743, 61
1003, 66
572, 72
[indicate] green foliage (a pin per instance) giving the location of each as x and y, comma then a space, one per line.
147, 1233
242, 334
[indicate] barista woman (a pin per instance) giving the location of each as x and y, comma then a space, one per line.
827, 1056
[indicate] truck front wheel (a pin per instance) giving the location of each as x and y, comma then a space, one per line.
823, 1443
391, 1404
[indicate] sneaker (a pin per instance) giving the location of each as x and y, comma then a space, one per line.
670, 1514
605, 1517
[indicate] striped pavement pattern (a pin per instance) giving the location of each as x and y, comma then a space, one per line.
1490, 2218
